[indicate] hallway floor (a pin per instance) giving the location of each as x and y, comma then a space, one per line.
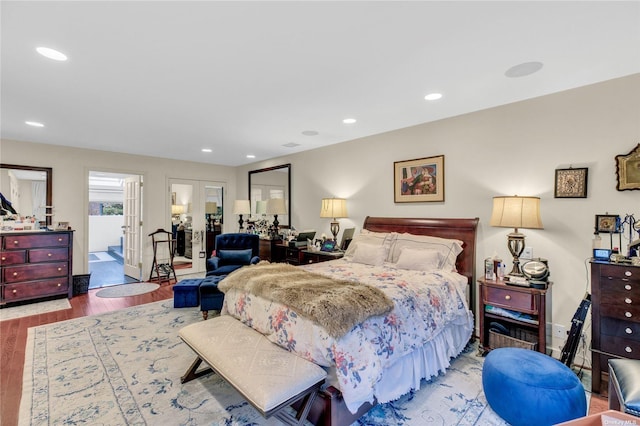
106, 270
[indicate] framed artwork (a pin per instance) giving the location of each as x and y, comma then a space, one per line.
607, 223
62, 226
173, 198
571, 183
628, 170
419, 180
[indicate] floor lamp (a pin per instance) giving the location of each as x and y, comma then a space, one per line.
516, 212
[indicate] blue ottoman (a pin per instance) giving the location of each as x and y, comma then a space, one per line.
210, 297
186, 294
525, 387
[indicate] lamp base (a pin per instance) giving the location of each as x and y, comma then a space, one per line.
515, 243
335, 229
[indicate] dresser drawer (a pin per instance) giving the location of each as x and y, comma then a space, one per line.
620, 346
610, 273
510, 299
618, 288
31, 289
48, 254
12, 274
620, 328
621, 311
39, 240
13, 257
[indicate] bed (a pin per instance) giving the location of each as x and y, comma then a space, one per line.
385, 355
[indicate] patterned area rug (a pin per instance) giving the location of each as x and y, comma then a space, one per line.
34, 309
124, 290
124, 368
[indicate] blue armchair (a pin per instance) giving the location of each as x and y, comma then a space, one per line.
233, 251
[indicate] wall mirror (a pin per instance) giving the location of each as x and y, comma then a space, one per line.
29, 190
272, 182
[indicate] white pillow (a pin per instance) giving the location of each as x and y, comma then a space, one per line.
449, 249
384, 239
419, 260
369, 254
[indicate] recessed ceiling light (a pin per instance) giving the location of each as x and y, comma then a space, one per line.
433, 96
251, 156
207, 150
524, 69
34, 123
349, 120
291, 145
310, 133
51, 53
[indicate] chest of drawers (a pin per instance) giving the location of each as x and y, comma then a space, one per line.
35, 265
615, 311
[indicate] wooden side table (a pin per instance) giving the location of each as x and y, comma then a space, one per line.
309, 256
518, 300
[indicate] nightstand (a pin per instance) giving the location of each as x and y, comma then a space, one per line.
309, 256
525, 320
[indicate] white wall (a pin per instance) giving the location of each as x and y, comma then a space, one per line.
508, 150
105, 231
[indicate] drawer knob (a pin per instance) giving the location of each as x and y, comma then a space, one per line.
59, 240
49, 254
627, 300
627, 287
4, 258
15, 242
627, 314
59, 285
507, 297
59, 269
628, 273
15, 274
628, 330
628, 350
14, 291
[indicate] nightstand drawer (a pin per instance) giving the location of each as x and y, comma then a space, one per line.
510, 299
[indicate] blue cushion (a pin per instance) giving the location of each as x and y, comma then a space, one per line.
234, 257
525, 387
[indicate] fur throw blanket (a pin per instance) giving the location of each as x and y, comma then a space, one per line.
336, 305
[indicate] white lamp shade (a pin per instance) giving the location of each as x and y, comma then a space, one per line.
261, 207
211, 207
177, 209
276, 206
516, 212
241, 207
333, 207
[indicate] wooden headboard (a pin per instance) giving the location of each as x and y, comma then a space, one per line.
460, 229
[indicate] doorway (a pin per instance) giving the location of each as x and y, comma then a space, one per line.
114, 211
196, 218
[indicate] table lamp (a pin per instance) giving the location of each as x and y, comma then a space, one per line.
334, 208
275, 207
516, 212
241, 207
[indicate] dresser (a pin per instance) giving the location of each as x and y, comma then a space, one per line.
615, 315
35, 265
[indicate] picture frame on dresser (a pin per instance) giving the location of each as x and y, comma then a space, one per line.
607, 223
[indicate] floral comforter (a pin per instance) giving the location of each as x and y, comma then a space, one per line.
425, 304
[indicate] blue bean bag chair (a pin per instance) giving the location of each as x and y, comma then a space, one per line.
529, 388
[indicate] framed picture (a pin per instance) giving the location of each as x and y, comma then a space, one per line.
607, 223
173, 198
571, 183
628, 170
62, 226
419, 180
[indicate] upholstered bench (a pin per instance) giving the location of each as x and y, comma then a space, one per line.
186, 293
624, 385
525, 387
269, 377
211, 298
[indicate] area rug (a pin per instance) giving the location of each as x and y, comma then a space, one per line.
34, 309
124, 290
124, 368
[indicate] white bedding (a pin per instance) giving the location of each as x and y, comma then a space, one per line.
385, 356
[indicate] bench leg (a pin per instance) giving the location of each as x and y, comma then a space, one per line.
301, 414
205, 315
192, 372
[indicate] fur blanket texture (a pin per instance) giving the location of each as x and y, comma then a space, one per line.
336, 305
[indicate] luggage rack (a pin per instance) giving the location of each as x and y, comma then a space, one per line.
162, 270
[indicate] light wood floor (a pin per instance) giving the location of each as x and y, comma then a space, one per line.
13, 335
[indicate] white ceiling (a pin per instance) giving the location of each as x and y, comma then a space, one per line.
168, 78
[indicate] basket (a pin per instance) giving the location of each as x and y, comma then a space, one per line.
497, 340
81, 284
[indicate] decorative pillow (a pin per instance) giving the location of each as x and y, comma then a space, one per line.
449, 249
384, 239
234, 257
419, 260
370, 254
